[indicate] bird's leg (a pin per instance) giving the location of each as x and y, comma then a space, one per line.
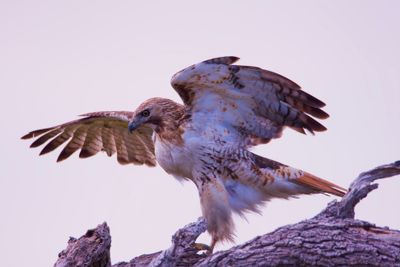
215, 207
212, 245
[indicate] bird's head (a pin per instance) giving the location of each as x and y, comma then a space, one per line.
157, 113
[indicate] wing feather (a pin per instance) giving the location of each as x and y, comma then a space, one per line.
137, 142
43, 139
99, 131
122, 153
74, 144
36, 133
107, 136
93, 143
250, 103
57, 141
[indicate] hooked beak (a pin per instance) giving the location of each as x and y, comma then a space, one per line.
133, 125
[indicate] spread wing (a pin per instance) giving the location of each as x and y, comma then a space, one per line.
251, 104
99, 131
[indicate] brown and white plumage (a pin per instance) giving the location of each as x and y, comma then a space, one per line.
99, 131
227, 109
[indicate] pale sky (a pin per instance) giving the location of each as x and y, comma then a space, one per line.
60, 59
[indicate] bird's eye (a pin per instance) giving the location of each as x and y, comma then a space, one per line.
145, 113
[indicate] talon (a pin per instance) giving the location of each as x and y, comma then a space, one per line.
200, 247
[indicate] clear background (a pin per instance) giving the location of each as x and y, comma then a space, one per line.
59, 59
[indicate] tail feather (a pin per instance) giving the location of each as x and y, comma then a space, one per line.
285, 181
320, 185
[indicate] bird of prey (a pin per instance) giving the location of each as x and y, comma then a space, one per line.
226, 110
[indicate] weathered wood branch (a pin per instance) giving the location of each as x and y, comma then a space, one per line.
331, 238
360, 188
91, 249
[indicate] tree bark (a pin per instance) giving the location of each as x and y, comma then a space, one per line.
331, 238
91, 249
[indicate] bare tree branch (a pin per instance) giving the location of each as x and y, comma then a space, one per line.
331, 238
90, 250
182, 249
360, 188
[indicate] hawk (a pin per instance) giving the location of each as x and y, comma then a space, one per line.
226, 110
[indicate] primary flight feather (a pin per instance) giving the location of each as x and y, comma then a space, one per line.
227, 109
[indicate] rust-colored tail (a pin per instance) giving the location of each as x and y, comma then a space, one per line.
320, 185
